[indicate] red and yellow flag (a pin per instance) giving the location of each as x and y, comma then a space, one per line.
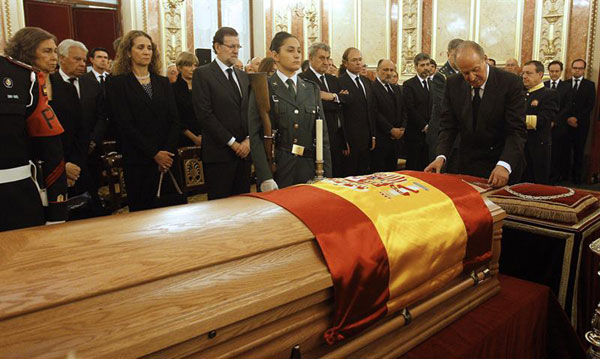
389, 239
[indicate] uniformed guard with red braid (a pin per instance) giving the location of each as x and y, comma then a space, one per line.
29, 134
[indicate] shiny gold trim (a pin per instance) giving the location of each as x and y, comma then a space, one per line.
409, 36
568, 251
145, 15
519, 29
8, 20
592, 38
551, 30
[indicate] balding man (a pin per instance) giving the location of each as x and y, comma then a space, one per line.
485, 106
391, 118
512, 65
255, 63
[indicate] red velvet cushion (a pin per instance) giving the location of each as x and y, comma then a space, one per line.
570, 209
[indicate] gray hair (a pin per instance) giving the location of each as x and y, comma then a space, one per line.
66, 44
421, 57
453, 44
473, 46
312, 50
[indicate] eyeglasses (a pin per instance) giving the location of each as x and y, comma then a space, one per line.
232, 47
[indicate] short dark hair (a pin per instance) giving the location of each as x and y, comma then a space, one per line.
453, 44
492, 60
305, 65
220, 35
556, 62
582, 60
539, 67
432, 61
279, 39
421, 57
93, 52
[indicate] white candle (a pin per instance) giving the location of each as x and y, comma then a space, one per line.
319, 124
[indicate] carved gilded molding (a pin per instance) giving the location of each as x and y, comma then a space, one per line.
145, 15
173, 42
281, 18
311, 15
7, 20
410, 29
551, 31
592, 38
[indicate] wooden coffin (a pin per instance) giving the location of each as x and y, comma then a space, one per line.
234, 278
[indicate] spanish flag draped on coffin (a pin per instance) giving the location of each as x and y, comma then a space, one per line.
389, 239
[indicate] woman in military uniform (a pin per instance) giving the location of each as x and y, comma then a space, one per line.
295, 105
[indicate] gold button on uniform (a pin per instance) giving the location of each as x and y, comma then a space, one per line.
296, 126
296, 111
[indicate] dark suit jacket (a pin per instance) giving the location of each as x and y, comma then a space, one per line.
582, 101
359, 113
390, 113
333, 110
418, 102
146, 125
544, 104
93, 105
185, 107
500, 132
68, 109
220, 113
564, 91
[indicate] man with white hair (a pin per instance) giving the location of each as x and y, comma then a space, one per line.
77, 104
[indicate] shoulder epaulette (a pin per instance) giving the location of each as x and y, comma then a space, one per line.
18, 63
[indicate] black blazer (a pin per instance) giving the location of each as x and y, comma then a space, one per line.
418, 102
185, 108
564, 91
333, 110
500, 132
582, 101
67, 106
93, 105
219, 111
146, 125
359, 113
390, 112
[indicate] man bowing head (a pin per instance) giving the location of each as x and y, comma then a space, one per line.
485, 106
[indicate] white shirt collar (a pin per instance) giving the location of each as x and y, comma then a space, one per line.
64, 76
97, 74
316, 72
352, 76
382, 83
577, 78
223, 66
557, 81
421, 79
284, 78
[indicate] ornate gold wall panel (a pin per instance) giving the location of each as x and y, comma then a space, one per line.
173, 12
410, 38
551, 30
13, 19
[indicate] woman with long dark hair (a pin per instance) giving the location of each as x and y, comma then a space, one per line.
295, 106
146, 114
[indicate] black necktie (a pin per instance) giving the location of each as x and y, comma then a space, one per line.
576, 87
322, 78
291, 88
553, 85
73, 88
233, 84
102, 79
475, 105
425, 85
392, 95
360, 87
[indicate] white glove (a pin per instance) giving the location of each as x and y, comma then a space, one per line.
268, 185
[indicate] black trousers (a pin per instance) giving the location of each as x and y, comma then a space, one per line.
336, 146
20, 205
560, 155
384, 159
141, 184
417, 155
357, 163
577, 139
225, 179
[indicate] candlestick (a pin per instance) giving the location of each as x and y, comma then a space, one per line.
319, 130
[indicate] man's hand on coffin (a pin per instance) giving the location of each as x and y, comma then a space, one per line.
436, 165
499, 177
163, 160
268, 185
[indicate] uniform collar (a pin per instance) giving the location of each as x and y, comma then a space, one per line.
536, 87
284, 78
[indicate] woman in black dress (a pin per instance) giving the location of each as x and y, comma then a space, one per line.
186, 64
146, 114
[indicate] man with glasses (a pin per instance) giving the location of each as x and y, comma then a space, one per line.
220, 94
583, 96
